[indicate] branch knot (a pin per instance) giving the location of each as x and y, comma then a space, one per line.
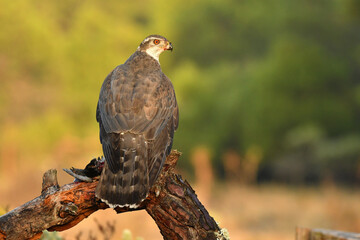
50, 181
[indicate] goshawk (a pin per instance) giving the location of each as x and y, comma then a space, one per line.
137, 114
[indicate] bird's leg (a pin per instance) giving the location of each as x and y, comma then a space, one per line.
91, 171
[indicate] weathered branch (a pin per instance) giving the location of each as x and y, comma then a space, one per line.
172, 203
323, 234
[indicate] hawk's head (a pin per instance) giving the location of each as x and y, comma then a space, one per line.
154, 45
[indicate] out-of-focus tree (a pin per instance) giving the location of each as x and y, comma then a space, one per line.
248, 74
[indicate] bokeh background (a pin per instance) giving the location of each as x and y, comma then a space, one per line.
269, 97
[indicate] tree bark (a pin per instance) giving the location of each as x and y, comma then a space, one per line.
172, 203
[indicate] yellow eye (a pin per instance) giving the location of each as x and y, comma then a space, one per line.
156, 41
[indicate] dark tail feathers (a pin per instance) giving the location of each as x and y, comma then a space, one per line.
129, 186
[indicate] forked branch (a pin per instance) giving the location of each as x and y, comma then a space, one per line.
172, 203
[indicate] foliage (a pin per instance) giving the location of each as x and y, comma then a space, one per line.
50, 236
127, 235
246, 73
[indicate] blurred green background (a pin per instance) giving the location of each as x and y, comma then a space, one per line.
269, 91
278, 78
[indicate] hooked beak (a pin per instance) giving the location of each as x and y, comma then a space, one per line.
169, 46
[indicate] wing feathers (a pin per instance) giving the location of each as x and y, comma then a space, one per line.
137, 114
141, 106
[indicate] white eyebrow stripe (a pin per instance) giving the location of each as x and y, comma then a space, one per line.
150, 38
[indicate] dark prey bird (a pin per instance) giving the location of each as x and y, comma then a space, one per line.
137, 114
